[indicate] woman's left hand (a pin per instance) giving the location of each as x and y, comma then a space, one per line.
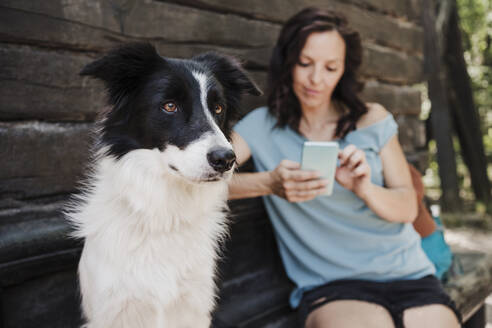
354, 173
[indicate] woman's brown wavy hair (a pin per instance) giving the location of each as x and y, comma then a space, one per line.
282, 102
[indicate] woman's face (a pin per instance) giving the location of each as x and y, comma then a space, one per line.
320, 67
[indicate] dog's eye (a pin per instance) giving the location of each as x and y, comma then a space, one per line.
169, 107
218, 109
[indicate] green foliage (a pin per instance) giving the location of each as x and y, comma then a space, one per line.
476, 31
476, 27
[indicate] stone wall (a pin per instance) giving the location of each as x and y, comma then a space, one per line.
47, 110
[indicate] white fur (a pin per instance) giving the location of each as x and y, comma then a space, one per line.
151, 237
192, 163
202, 81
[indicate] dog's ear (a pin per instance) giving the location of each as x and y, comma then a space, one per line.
123, 68
229, 72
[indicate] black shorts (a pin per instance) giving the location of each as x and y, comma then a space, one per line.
395, 296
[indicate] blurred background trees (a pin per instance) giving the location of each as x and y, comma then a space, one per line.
476, 27
464, 37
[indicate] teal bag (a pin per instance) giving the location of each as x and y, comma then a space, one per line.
437, 250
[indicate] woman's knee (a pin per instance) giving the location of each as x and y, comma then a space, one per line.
349, 314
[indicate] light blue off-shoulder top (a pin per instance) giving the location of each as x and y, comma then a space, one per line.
338, 236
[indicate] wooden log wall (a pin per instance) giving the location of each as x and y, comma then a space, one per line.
47, 110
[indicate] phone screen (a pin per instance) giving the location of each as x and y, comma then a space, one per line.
321, 156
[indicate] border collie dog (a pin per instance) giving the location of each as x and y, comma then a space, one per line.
153, 209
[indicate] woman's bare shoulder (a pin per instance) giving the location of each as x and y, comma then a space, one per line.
375, 113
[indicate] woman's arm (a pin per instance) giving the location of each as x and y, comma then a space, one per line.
246, 185
287, 180
397, 202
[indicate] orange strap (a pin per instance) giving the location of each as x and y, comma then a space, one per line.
424, 224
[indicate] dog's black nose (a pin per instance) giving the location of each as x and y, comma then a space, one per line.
221, 159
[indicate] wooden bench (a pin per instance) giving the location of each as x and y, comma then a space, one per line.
38, 283
254, 289
470, 285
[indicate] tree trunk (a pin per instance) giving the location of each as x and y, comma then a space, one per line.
463, 110
440, 120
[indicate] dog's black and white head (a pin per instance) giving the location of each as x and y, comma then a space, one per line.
182, 108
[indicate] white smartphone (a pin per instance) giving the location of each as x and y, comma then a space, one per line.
321, 156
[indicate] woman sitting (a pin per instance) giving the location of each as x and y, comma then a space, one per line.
354, 256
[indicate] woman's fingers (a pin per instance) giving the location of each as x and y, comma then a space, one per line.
304, 195
312, 185
345, 153
290, 170
361, 170
302, 191
297, 185
299, 175
288, 164
354, 171
305, 185
357, 157
351, 157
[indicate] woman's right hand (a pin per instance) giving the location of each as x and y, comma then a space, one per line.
295, 185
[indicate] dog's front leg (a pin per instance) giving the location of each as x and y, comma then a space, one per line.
183, 315
126, 313
193, 307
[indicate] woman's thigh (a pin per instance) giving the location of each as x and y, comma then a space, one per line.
349, 314
434, 315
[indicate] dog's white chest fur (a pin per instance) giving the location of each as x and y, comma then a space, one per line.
150, 245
